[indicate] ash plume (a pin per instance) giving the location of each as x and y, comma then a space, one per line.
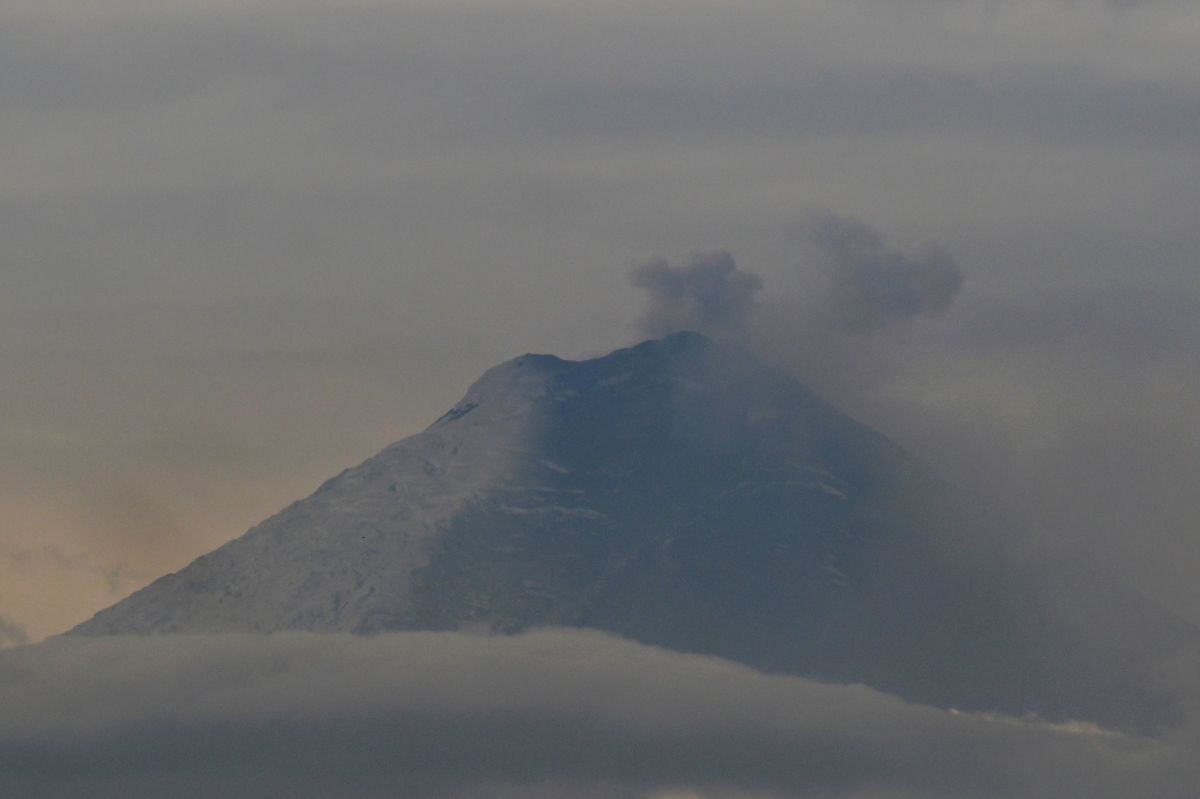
707, 292
873, 284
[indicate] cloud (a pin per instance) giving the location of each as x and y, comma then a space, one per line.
872, 284
553, 713
707, 292
11, 633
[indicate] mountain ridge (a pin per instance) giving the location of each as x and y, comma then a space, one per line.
681, 493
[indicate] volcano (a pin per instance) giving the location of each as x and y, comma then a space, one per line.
685, 494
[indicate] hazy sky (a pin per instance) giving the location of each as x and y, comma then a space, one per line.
247, 244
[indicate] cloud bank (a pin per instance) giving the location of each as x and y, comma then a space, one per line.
553, 713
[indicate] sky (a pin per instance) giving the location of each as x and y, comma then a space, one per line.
246, 245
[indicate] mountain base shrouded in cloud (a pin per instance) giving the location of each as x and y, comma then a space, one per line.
684, 494
555, 713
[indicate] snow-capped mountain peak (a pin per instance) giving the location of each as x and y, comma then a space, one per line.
682, 493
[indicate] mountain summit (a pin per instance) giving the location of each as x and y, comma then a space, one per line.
685, 494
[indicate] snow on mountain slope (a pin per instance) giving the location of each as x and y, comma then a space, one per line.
335, 559
683, 493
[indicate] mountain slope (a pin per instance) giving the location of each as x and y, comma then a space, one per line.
343, 559
684, 494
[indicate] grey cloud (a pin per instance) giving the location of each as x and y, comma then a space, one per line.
810, 70
549, 713
1071, 411
1076, 415
1043, 106
707, 292
1122, 326
873, 284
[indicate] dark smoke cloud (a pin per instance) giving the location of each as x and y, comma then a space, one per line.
853, 286
707, 293
11, 634
870, 285
873, 284
553, 713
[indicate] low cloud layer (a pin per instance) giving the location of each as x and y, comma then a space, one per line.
555, 713
706, 292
